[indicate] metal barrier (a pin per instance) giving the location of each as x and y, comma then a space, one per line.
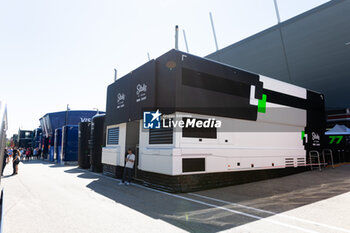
324, 151
315, 154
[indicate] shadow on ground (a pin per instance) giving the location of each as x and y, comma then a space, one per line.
52, 164
286, 193
276, 195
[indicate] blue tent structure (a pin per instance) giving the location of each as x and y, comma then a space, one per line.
338, 130
52, 121
339, 142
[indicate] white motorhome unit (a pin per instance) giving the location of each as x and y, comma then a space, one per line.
213, 125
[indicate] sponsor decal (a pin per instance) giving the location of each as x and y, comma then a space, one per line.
171, 64
141, 91
335, 139
120, 100
315, 137
85, 119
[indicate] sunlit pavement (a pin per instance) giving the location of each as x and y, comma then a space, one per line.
45, 197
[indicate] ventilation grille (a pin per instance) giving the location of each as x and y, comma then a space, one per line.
289, 162
113, 136
161, 136
300, 162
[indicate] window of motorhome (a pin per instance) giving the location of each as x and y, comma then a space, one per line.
194, 132
113, 136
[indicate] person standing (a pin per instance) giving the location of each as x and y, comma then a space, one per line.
23, 153
39, 153
4, 162
129, 165
35, 153
28, 153
15, 160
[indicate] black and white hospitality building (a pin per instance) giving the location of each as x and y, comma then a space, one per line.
266, 125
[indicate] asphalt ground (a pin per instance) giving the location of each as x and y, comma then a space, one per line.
47, 198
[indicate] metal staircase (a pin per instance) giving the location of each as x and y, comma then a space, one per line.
315, 158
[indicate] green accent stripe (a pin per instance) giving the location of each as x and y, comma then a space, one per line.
262, 104
302, 135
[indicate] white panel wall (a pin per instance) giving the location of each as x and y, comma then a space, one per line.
109, 155
283, 87
156, 157
263, 144
279, 114
115, 154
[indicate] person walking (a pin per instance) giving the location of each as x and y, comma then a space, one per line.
129, 165
4, 162
15, 161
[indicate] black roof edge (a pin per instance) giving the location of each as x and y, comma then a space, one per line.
221, 63
131, 72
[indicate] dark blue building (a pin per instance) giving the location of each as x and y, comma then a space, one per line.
52, 121
69, 150
25, 138
58, 145
37, 135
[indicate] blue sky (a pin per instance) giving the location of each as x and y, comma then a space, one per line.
54, 53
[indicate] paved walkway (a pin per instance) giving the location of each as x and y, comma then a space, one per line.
48, 198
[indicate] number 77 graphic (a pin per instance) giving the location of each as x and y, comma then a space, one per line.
333, 139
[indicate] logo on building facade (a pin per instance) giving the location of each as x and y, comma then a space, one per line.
315, 139
85, 119
315, 136
141, 90
151, 120
120, 100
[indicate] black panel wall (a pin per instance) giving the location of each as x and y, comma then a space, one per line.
142, 90
132, 136
96, 142
118, 101
129, 95
83, 146
167, 73
316, 120
192, 84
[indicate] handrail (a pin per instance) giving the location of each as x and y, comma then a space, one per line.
331, 154
317, 155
